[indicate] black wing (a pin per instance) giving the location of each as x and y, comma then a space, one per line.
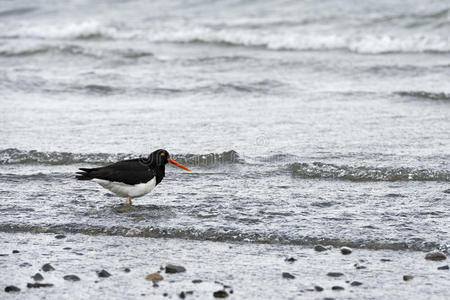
131, 171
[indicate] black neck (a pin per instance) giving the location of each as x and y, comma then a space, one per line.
160, 172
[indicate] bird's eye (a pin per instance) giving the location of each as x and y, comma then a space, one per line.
163, 154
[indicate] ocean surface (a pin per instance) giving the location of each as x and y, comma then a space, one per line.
303, 122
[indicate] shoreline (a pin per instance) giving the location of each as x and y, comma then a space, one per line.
250, 271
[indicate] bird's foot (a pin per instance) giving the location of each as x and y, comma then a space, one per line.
128, 201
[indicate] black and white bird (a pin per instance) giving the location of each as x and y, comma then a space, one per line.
131, 178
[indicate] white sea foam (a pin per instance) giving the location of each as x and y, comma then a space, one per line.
73, 30
295, 39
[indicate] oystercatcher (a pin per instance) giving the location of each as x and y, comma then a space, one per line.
131, 178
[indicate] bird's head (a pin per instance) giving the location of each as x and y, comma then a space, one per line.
161, 157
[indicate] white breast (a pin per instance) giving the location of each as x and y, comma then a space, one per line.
127, 190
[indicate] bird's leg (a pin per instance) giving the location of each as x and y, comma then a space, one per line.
128, 201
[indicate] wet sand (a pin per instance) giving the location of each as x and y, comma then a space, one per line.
243, 270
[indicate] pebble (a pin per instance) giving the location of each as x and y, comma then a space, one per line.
335, 274
356, 283
37, 277
318, 288
220, 294
38, 285
435, 255
182, 295
165, 294
71, 278
320, 248
154, 277
67, 248
47, 268
385, 260
103, 274
337, 288
287, 275
197, 281
175, 269
60, 236
346, 250
359, 267
407, 277
290, 259
3, 254
126, 270
443, 268
11, 289
15, 251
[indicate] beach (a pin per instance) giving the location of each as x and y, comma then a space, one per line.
304, 123
245, 271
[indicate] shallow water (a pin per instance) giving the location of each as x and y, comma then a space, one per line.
303, 123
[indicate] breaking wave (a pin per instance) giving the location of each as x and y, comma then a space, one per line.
364, 173
273, 39
15, 156
425, 95
223, 236
18, 49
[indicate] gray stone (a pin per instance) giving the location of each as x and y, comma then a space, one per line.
287, 275
443, 268
71, 278
320, 248
38, 285
290, 259
356, 283
37, 277
220, 294
103, 274
12, 289
346, 250
407, 277
47, 268
175, 269
435, 255
335, 274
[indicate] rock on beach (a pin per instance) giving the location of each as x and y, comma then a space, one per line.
171, 269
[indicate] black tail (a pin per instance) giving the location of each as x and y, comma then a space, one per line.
84, 174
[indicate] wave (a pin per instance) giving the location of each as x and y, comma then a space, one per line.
364, 43
13, 156
363, 173
48, 177
28, 49
84, 30
222, 236
17, 11
293, 39
315, 170
425, 95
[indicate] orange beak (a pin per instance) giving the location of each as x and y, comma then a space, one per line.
178, 164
